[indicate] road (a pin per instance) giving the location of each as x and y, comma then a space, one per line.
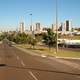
77, 61
20, 65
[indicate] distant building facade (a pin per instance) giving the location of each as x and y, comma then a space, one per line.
31, 28
53, 27
21, 27
60, 27
68, 25
38, 27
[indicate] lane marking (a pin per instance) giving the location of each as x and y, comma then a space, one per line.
33, 75
22, 63
18, 58
43, 56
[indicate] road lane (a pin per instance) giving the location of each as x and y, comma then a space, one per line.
54, 76
8, 73
77, 61
57, 65
23, 66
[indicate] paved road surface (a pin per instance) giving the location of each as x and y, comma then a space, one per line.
77, 61
23, 66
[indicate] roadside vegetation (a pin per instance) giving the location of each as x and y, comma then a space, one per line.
44, 43
48, 39
44, 50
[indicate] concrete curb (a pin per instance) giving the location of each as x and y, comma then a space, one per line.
68, 58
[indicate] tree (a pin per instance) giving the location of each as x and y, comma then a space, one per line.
32, 41
49, 38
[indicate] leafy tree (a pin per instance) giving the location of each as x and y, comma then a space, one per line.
49, 38
3, 36
20, 38
38, 37
32, 41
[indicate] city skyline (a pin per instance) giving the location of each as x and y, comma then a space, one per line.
43, 11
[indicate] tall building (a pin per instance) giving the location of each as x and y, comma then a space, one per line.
30, 28
53, 27
21, 28
60, 27
68, 25
38, 27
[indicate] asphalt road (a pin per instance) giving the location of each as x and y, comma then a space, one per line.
77, 61
23, 66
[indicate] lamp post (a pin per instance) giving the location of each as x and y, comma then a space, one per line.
31, 22
56, 26
32, 27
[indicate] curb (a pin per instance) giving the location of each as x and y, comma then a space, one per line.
68, 58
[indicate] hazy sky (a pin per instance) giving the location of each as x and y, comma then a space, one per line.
43, 11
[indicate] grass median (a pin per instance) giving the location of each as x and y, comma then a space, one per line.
45, 50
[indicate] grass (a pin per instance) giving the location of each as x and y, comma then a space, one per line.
52, 52
71, 37
66, 53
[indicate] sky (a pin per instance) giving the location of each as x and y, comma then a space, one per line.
43, 11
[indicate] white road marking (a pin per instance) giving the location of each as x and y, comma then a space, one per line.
43, 56
18, 58
33, 75
22, 63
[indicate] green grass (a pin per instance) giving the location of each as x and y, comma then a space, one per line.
52, 52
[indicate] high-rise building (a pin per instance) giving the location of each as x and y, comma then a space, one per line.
68, 25
38, 26
30, 28
60, 27
53, 27
21, 28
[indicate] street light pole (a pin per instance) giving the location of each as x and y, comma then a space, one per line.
32, 27
56, 26
31, 22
